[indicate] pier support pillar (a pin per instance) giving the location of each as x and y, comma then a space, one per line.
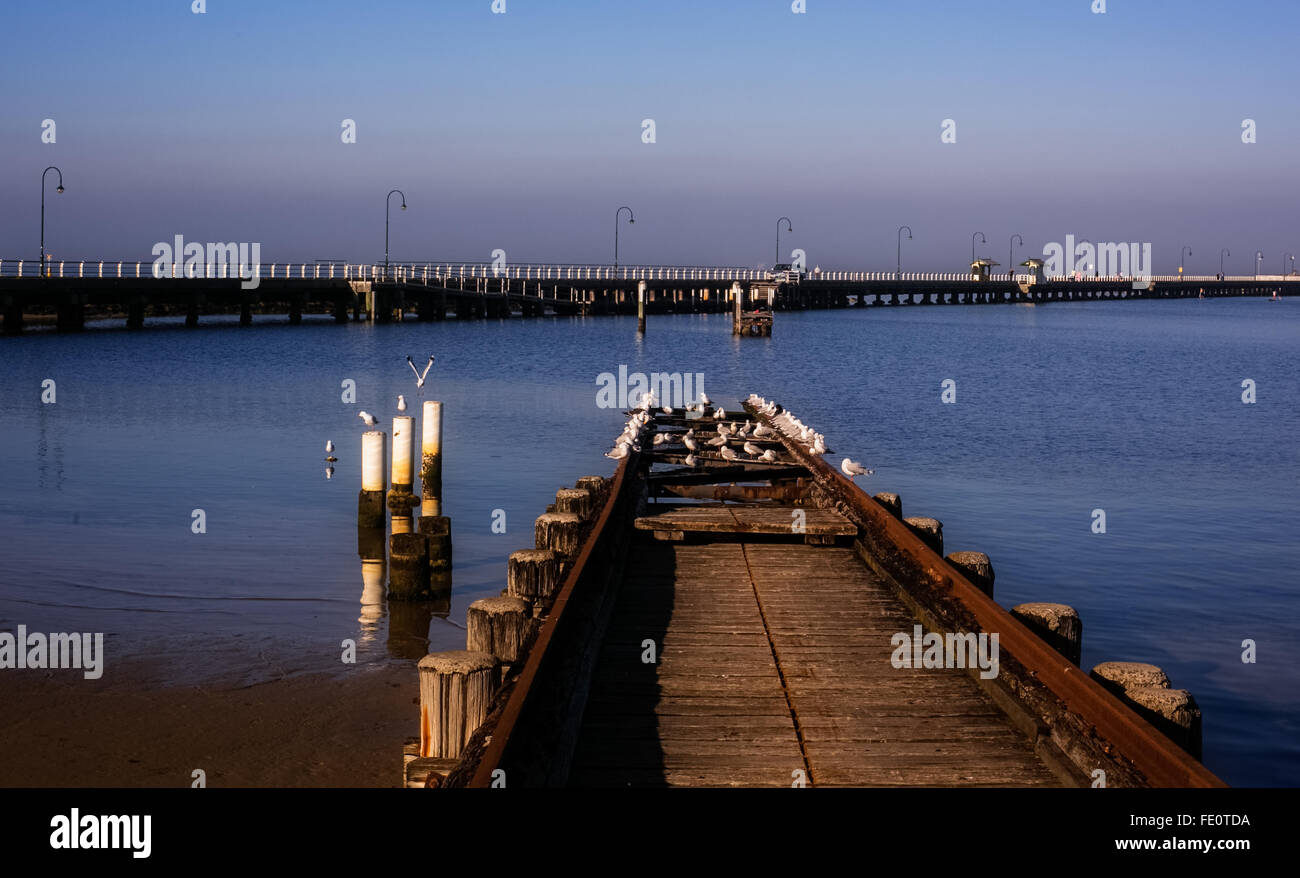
930, 530
891, 502
1147, 690
976, 567
13, 318
533, 575
70, 317
455, 691
408, 567
558, 531
640, 307
498, 626
1057, 624
135, 315
245, 313
370, 504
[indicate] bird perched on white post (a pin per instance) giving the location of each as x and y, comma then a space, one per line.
369, 419
401, 403
852, 468
420, 376
329, 451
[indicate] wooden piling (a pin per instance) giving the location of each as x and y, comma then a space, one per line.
1058, 624
930, 530
498, 626
1147, 689
737, 306
558, 531
977, 567
370, 503
533, 575
431, 451
892, 502
575, 500
408, 567
455, 690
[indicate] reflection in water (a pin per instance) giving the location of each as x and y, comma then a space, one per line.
43, 450
408, 629
374, 564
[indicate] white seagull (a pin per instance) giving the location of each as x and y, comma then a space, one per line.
752, 450
401, 403
370, 419
727, 453
619, 452
689, 443
852, 468
690, 460
420, 376
769, 456
329, 452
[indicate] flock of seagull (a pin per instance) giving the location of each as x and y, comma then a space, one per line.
370, 420
726, 434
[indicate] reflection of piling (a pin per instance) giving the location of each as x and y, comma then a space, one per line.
402, 494
408, 567
431, 453
498, 626
370, 546
455, 690
408, 629
370, 504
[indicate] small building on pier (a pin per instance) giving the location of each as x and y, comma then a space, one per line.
1035, 267
980, 269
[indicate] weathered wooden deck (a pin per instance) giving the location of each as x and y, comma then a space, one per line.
774, 659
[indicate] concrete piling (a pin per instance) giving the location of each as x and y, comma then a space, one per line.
370, 504
1058, 624
456, 688
1147, 690
977, 568
640, 307
402, 493
431, 452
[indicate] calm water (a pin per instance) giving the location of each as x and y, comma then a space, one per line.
1132, 407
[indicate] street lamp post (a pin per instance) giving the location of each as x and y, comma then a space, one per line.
898, 271
58, 190
789, 227
388, 201
1224, 252
630, 219
1182, 260
1290, 256
1011, 256
983, 240
1259, 256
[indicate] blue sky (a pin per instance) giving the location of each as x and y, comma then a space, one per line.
522, 131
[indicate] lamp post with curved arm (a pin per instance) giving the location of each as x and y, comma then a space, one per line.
1011, 256
983, 240
1290, 256
388, 201
58, 190
898, 271
630, 220
1182, 260
1259, 257
1222, 253
789, 227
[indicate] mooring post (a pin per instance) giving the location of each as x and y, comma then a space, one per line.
575, 500
930, 530
737, 306
891, 502
402, 494
370, 503
498, 626
558, 531
437, 530
533, 575
1058, 624
640, 307
455, 690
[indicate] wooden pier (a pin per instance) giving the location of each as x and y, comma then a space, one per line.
73, 292
735, 619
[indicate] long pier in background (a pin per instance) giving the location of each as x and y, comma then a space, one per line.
70, 293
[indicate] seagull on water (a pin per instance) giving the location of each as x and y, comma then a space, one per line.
370, 419
852, 468
420, 376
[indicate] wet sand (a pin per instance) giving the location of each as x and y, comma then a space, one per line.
308, 730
